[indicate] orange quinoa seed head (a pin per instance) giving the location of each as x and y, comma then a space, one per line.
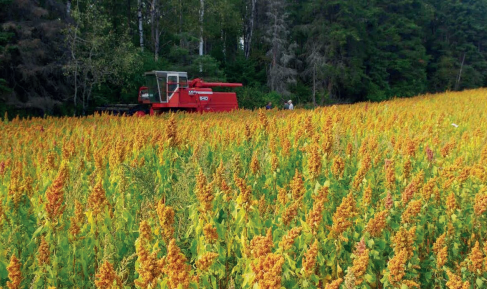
106, 276
335, 284
288, 240
166, 220
396, 267
309, 261
14, 273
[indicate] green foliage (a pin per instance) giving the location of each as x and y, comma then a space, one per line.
251, 97
275, 98
205, 66
300, 93
318, 51
99, 56
245, 71
375, 93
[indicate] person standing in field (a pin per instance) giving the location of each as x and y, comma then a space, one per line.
291, 106
268, 106
286, 105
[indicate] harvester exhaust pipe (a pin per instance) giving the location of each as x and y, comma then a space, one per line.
197, 82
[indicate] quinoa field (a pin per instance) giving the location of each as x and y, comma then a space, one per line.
370, 195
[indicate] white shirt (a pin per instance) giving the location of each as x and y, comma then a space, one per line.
291, 106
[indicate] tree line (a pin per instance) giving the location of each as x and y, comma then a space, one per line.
68, 56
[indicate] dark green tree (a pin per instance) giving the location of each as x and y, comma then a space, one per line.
397, 59
64, 56
456, 42
335, 48
4, 36
98, 55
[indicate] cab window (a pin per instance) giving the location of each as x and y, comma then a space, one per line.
183, 82
172, 85
153, 92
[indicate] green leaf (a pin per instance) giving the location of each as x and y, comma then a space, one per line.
370, 243
290, 261
194, 247
205, 282
37, 232
370, 278
3, 271
381, 244
248, 278
220, 230
286, 273
375, 253
315, 278
453, 217
479, 282
442, 219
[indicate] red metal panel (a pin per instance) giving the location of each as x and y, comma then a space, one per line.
174, 101
143, 100
186, 99
222, 101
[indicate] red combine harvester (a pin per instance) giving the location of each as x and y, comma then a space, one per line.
171, 91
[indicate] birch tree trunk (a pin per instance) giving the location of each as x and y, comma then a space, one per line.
141, 30
155, 28
457, 84
249, 27
314, 84
202, 15
157, 39
68, 8
76, 66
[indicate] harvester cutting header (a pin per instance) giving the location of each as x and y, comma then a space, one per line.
169, 90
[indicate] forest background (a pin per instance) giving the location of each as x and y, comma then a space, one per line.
65, 57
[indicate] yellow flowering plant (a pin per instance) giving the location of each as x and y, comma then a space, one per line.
370, 195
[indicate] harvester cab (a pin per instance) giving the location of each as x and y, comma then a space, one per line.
161, 86
172, 91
